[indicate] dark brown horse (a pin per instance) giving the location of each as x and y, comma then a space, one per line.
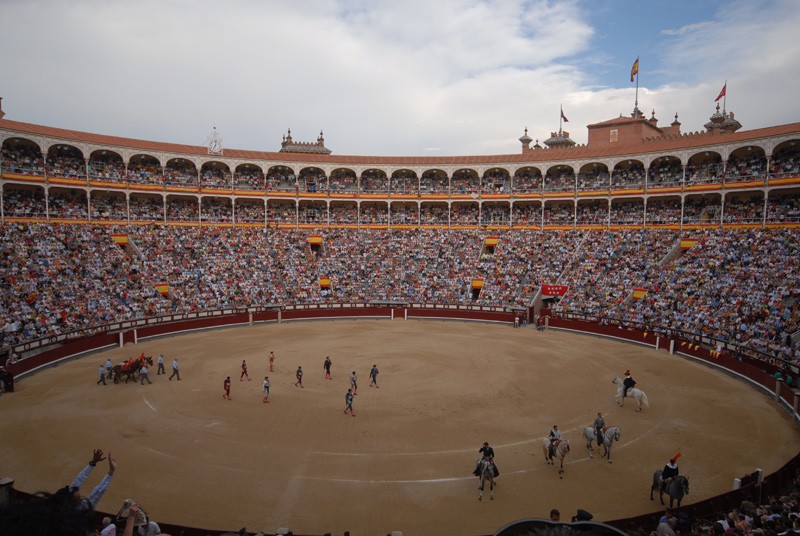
129, 371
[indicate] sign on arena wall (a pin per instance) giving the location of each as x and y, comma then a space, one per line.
554, 291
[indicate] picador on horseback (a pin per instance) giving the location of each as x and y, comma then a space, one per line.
627, 383
669, 472
486, 453
599, 427
555, 437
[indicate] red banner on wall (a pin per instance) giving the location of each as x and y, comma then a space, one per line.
554, 291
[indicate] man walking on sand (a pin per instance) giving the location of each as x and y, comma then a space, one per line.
348, 403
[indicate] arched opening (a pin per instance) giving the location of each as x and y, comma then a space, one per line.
343, 180
783, 206
746, 164
281, 179
313, 179
344, 212
180, 172
144, 169
22, 156
628, 175
215, 174
465, 181
496, 181
248, 177
559, 213
404, 181
527, 180
785, 161
106, 166
281, 212
496, 214
374, 181
65, 161
704, 168
376, 213
593, 176
313, 213
560, 178
434, 181
665, 172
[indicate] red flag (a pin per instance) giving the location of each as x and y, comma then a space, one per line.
564, 117
635, 69
722, 93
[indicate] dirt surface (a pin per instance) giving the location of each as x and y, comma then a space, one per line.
405, 461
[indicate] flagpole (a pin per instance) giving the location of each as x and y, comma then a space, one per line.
560, 118
724, 97
636, 102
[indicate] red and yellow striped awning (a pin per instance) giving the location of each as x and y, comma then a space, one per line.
492, 240
120, 239
477, 283
315, 239
687, 243
163, 288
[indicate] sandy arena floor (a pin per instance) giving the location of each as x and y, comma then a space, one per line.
405, 461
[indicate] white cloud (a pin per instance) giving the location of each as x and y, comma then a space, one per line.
379, 77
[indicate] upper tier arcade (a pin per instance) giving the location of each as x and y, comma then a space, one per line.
632, 172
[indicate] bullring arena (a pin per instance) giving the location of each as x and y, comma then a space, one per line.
677, 258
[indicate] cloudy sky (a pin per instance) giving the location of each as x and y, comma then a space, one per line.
411, 77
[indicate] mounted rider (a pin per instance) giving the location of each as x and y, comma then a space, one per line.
669, 472
627, 383
599, 427
487, 453
555, 439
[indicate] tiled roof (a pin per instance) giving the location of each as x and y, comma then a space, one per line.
660, 145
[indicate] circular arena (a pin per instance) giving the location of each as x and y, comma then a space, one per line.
405, 461
674, 256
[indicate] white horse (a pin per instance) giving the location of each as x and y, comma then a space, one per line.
611, 434
486, 474
634, 392
559, 452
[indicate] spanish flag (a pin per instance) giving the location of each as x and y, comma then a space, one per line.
492, 240
324, 282
477, 283
639, 293
315, 239
163, 288
687, 243
635, 69
120, 239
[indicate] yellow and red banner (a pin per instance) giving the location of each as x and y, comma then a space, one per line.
477, 283
315, 239
552, 291
120, 239
687, 243
492, 240
639, 293
324, 282
163, 288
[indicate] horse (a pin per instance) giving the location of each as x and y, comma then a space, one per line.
676, 488
117, 371
611, 434
486, 474
560, 451
637, 394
